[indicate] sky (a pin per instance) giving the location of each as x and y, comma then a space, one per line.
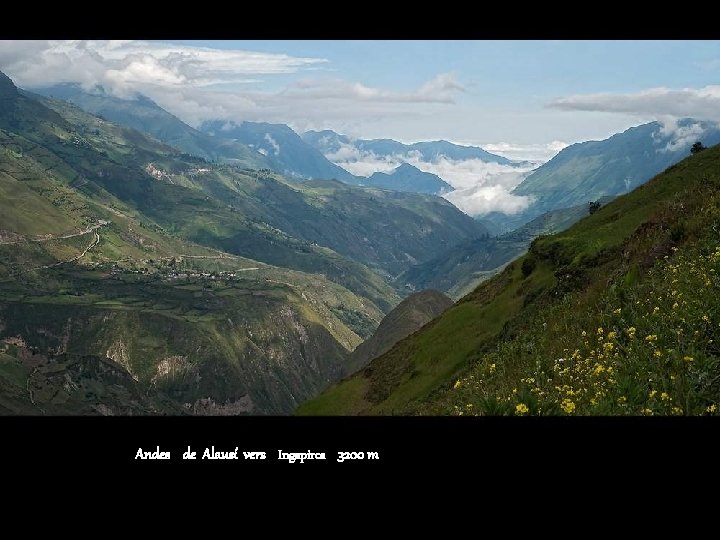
523, 99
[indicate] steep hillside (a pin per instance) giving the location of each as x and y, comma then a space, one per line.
283, 149
616, 315
323, 227
95, 260
587, 171
32, 383
407, 317
461, 268
409, 178
145, 115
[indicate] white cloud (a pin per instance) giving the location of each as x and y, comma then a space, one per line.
441, 89
273, 143
700, 103
531, 152
124, 66
183, 79
676, 136
480, 200
479, 187
346, 153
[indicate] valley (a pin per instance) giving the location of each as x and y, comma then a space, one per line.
176, 241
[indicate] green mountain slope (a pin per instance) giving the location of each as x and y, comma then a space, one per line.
96, 259
261, 215
283, 149
145, 115
616, 315
407, 317
463, 267
590, 170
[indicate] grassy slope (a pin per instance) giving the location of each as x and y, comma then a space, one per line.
145, 116
407, 317
462, 268
613, 249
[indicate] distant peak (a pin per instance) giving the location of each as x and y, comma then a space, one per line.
406, 167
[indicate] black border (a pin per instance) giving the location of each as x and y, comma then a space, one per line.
419, 443
302, 20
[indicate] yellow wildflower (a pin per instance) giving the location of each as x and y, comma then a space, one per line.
568, 406
665, 397
492, 368
612, 335
631, 331
651, 338
658, 354
677, 410
711, 408
457, 384
688, 359
652, 393
600, 331
647, 412
521, 409
617, 311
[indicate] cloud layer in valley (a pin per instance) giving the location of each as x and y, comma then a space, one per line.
479, 187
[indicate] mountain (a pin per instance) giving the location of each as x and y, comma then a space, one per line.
616, 315
461, 268
406, 177
210, 284
145, 115
328, 142
284, 150
407, 317
97, 260
590, 170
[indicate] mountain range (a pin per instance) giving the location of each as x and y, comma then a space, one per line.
214, 288
331, 144
143, 114
283, 149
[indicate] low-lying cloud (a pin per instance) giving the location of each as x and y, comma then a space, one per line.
479, 187
530, 152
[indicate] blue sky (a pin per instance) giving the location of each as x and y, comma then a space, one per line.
522, 94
